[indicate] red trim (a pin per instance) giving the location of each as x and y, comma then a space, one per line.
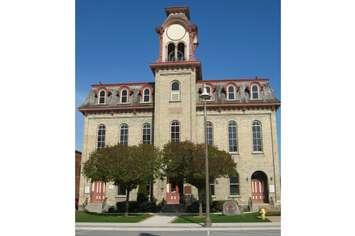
146, 87
170, 64
122, 84
235, 105
230, 83
235, 80
111, 109
255, 83
178, 9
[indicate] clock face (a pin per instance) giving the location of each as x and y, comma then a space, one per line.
175, 32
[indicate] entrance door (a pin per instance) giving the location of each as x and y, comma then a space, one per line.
172, 194
257, 190
97, 192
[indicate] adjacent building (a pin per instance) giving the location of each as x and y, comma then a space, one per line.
77, 176
241, 119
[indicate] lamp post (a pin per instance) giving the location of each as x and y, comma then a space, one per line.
206, 96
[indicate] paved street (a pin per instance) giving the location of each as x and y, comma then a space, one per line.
251, 232
160, 225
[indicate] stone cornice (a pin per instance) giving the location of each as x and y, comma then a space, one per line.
116, 109
233, 105
177, 64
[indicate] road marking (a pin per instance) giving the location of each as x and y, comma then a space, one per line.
173, 229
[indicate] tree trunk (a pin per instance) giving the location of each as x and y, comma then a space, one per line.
200, 208
127, 202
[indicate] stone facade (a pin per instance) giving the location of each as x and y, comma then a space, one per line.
241, 100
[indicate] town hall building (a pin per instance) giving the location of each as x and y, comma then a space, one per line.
241, 115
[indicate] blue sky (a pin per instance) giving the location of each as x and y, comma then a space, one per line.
116, 41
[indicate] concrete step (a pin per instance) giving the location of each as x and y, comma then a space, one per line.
94, 207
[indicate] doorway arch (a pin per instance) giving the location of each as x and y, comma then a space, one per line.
259, 187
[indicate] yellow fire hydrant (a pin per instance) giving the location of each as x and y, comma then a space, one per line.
262, 213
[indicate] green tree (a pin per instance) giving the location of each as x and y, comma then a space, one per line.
220, 163
128, 166
176, 158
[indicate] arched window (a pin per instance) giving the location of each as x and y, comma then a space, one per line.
147, 137
231, 92
146, 95
257, 137
209, 130
254, 92
175, 131
124, 134
101, 132
102, 97
175, 91
171, 52
124, 96
234, 185
232, 136
181, 52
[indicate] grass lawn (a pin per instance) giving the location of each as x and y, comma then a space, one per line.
120, 218
246, 217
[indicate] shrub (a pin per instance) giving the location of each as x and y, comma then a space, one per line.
217, 206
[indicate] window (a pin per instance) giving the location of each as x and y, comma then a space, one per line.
171, 52
254, 92
124, 96
101, 136
175, 91
212, 189
231, 92
209, 130
146, 95
232, 136
181, 52
175, 131
146, 133
176, 53
102, 97
121, 190
234, 185
124, 134
257, 137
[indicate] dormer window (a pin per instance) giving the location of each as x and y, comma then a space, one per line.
102, 97
124, 96
146, 95
254, 91
231, 93
175, 91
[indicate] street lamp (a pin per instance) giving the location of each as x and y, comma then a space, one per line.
206, 96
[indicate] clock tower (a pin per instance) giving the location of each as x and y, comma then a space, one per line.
176, 71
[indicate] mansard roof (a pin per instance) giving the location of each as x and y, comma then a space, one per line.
219, 99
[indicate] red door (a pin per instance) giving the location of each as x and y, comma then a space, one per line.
97, 191
257, 190
172, 195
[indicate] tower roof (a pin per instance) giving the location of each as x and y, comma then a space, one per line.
178, 9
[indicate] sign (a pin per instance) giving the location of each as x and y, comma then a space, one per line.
271, 188
87, 189
230, 208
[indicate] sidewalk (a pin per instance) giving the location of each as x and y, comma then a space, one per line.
159, 222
